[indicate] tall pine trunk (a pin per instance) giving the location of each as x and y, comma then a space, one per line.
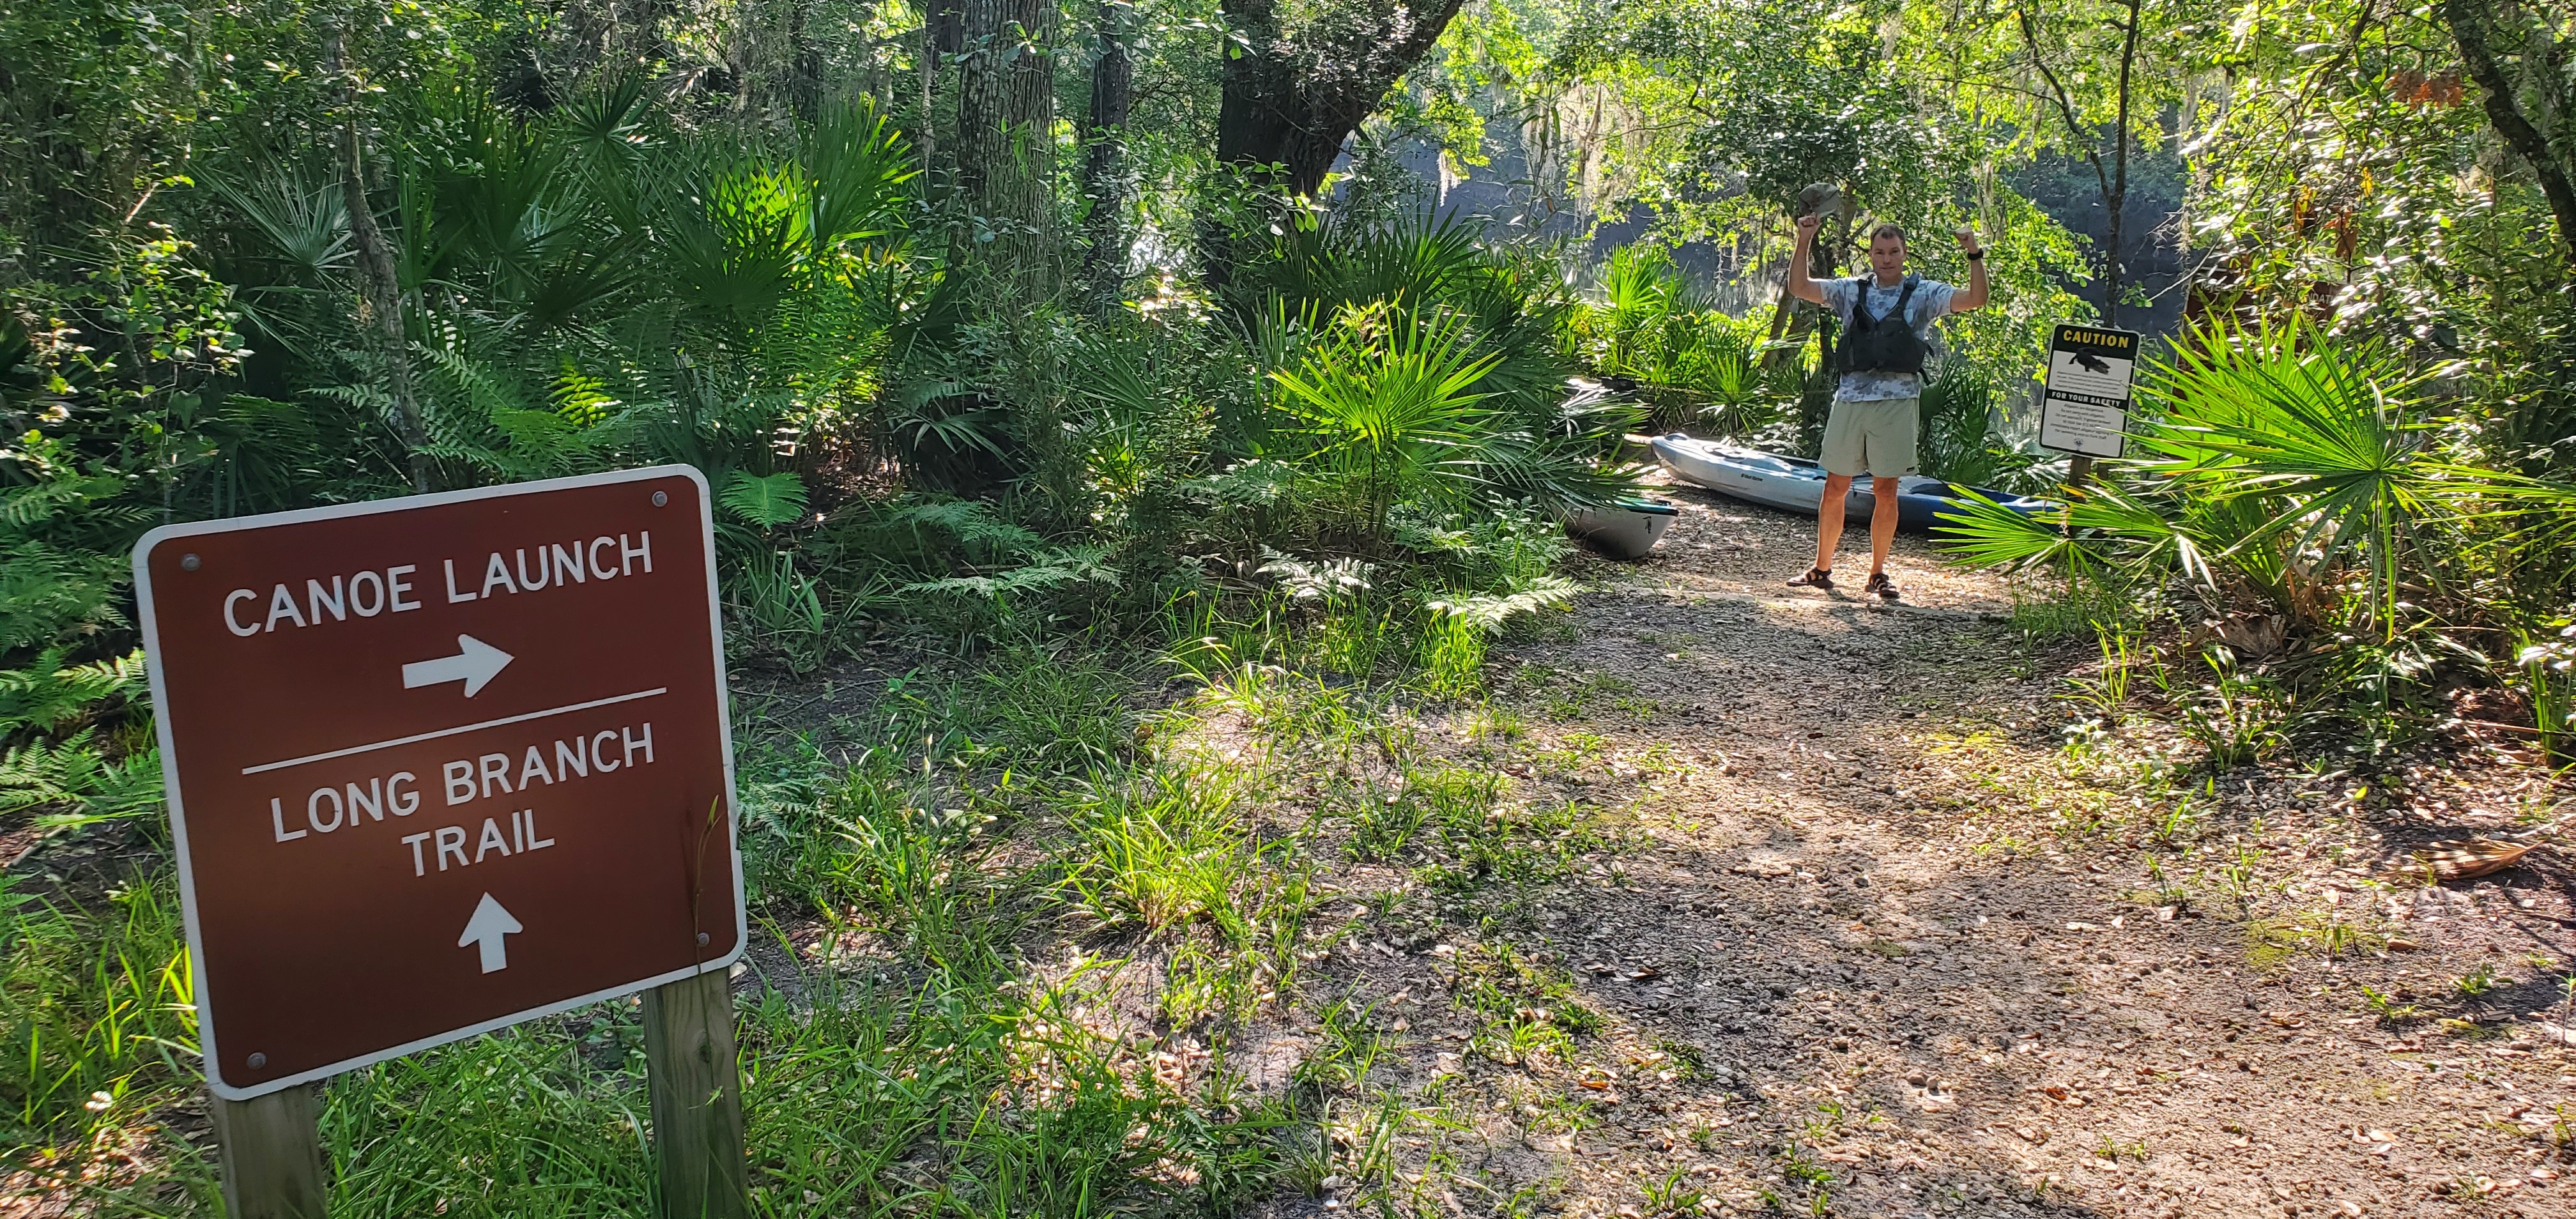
1105, 175
2547, 152
1006, 143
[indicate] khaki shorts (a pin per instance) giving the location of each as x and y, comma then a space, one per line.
1875, 438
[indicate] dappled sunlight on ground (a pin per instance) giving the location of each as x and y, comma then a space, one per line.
1855, 936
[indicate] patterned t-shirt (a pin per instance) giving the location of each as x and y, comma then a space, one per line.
1930, 304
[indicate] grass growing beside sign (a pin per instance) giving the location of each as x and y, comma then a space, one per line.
101, 1020
955, 898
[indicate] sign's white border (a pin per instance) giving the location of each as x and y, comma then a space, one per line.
178, 818
2120, 439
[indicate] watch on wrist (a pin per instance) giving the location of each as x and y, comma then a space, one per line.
1976, 255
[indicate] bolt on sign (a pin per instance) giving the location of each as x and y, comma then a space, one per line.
438, 765
2085, 408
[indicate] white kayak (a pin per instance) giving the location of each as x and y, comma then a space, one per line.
1796, 484
1623, 530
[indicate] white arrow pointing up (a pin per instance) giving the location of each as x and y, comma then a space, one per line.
474, 663
484, 931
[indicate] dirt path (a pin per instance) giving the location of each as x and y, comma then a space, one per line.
1877, 947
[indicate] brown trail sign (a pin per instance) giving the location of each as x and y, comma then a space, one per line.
438, 765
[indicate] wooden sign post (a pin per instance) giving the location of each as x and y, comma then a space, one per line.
697, 1099
271, 1149
440, 765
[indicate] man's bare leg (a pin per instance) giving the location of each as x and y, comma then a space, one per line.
1829, 519
1882, 522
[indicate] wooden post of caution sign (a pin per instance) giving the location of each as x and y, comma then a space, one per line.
697, 1098
2078, 472
458, 742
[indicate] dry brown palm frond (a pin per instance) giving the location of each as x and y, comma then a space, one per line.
2462, 859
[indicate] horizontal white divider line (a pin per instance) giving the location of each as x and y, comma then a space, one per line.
432, 736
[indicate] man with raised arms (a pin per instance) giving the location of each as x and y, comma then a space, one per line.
1887, 318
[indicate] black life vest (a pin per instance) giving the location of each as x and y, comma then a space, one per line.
1884, 344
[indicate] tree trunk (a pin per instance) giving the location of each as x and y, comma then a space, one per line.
2471, 26
2114, 196
1287, 100
379, 284
1288, 125
804, 63
2117, 198
1792, 320
1104, 169
943, 34
1006, 141
1273, 122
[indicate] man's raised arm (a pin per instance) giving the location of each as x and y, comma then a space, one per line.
1975, 296
1800, 285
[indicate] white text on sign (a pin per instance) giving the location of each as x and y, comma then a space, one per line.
351, 804
375, 591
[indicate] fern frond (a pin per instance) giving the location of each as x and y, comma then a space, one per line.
1328, 580
46, 694
972, 524
22, 507
1053, 569
768, 501
1491, 610
39, 773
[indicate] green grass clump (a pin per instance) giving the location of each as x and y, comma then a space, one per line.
1522, 1010
542, 1120
1522, 845
1164, 853
99, 1015
1028, 707
1447, 799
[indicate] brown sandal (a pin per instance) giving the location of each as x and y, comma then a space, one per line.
1880, 584
1816, 577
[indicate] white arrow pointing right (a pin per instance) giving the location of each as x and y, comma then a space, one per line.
474, 663
484, 931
